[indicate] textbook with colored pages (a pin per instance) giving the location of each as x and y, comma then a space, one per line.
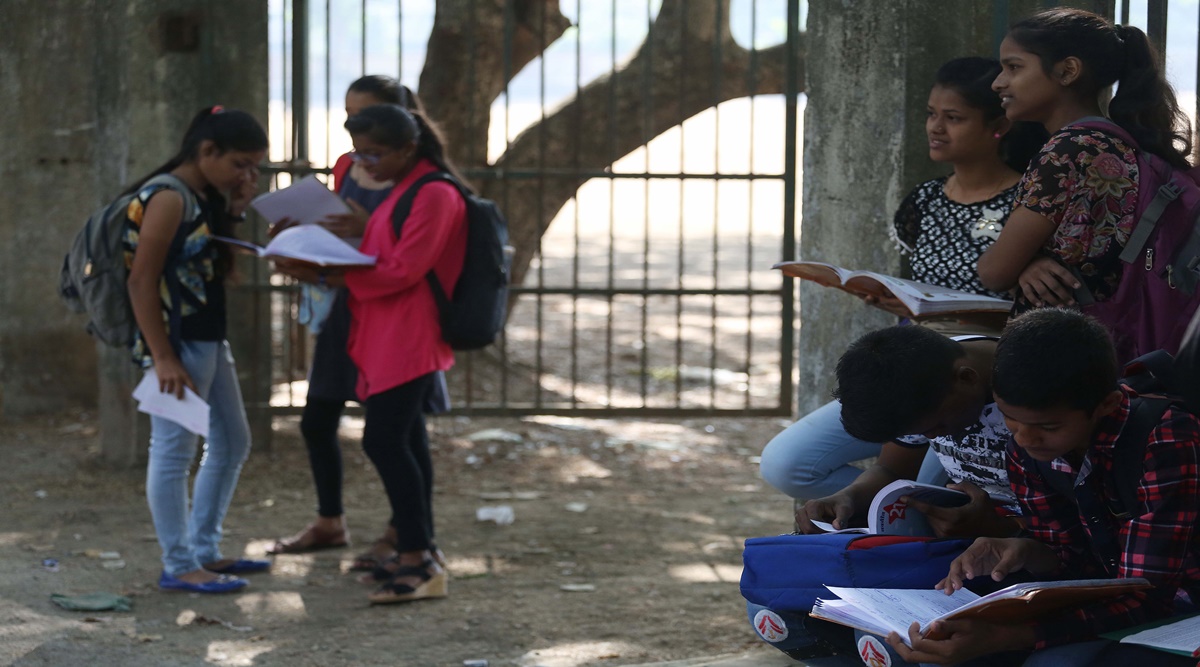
307, 243
920, 299
889, 515
884, 610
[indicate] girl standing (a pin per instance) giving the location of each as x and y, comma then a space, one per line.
333, 378
177, 288
1076, 204
395, 335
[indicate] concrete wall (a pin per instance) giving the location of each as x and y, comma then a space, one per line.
98, 92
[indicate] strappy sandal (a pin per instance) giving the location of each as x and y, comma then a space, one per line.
388, 569
371, 559
308, 540
433, 585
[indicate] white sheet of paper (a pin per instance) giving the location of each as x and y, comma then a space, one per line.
191, 412
1178, 636
306, 201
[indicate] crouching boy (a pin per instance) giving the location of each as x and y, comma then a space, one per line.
1056, 381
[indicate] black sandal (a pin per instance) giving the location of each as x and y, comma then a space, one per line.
433, 585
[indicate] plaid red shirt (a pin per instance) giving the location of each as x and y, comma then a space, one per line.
1160, 542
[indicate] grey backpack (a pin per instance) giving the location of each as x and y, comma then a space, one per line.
93, 278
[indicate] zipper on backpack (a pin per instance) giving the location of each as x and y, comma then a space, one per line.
1170, 276
1149, 259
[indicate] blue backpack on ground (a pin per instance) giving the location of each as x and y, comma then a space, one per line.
1157, 294
782, 577
474, 315
93, 277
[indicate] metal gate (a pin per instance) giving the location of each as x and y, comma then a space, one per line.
649, 290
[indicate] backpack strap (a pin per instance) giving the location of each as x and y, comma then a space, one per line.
1129, 453
170, 275
400, 214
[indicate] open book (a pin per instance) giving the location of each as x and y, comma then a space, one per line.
307, 201
922, 300
1181, 637
890, 516
308, 243
883, 610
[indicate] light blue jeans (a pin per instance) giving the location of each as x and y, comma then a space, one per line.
812, 457
190, 540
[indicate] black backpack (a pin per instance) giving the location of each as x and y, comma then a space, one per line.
474, 315
93, 275
1161, 381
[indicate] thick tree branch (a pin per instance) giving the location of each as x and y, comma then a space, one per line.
689, 63
465, 68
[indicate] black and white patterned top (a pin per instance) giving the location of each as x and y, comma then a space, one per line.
943, 239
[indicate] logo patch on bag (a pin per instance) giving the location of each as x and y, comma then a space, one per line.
770, 626
873, 652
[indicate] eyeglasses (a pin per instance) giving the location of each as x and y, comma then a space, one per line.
366, 159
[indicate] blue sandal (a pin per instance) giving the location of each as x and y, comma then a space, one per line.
242, 566
222, 584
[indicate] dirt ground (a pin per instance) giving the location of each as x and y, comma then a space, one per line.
645, 519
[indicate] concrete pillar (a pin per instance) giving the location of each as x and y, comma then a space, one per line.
100, 93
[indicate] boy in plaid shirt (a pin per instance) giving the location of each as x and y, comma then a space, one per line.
1056, 381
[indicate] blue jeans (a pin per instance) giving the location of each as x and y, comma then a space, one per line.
812, 457
189, 541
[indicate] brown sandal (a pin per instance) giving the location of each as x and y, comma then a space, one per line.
308, 540
381, 552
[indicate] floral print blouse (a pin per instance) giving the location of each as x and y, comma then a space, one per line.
1085, 182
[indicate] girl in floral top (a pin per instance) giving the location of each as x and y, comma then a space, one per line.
176, 287
1076, 203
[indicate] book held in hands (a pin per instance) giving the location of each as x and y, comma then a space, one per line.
307, 243
889, 515
921, 299
884, 610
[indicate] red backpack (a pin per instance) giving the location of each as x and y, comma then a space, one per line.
1157, 294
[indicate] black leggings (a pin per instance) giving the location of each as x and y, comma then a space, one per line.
319, 426
396, 441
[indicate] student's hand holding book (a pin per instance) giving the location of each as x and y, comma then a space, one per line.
977, 518
308, 273
962, 640
348, 225
884, 302
837, 509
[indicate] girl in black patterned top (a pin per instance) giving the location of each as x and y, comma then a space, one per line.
944, 224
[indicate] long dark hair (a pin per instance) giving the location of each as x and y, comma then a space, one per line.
971, 78
395, 127
1144, 105
228, 130
387, 90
